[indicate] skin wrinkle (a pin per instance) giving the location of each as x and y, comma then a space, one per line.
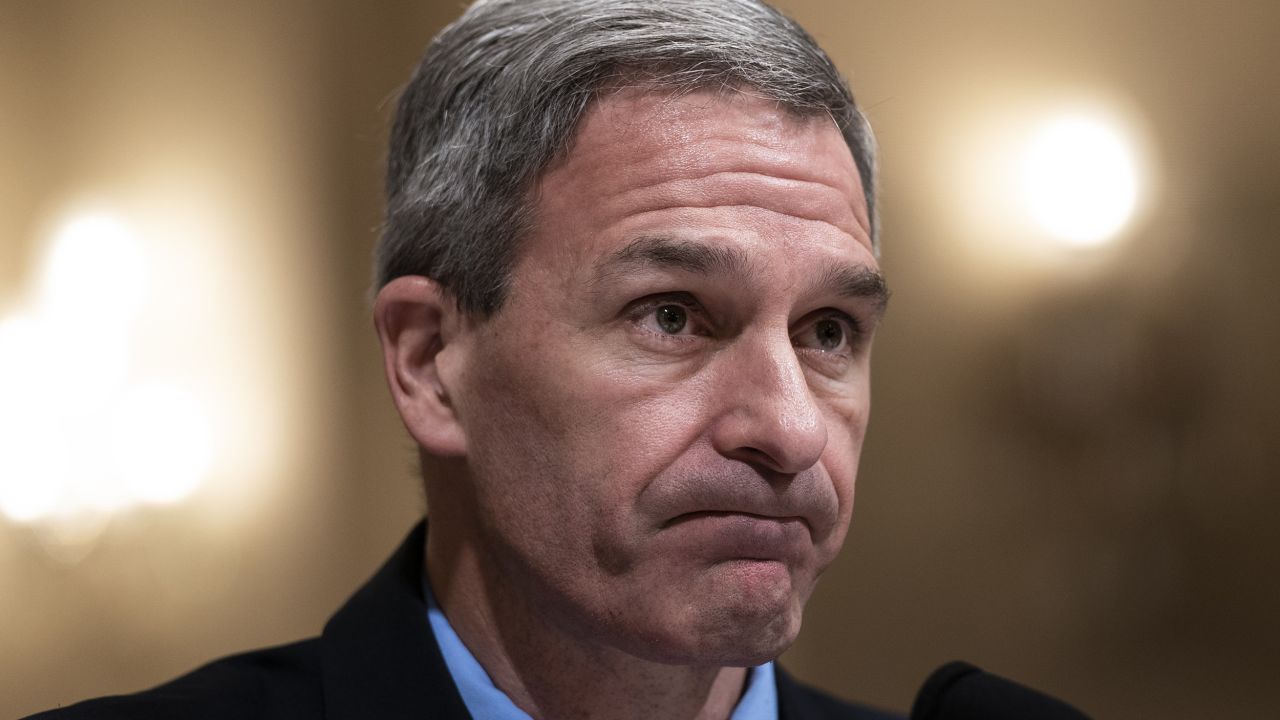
832, 202
829, 211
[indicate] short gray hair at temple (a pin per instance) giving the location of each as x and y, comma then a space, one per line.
499, 93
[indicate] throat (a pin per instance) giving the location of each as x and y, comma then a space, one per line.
550, 673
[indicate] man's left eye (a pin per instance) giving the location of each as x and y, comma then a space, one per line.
828, 334
671, 319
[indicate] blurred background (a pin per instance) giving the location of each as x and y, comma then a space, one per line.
1071, 474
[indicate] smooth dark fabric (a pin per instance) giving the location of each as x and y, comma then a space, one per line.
376, 659
960, 691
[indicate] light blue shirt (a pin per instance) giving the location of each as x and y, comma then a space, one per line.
486, 702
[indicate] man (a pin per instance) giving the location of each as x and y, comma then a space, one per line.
626, 294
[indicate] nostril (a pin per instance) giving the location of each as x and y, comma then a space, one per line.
765, 464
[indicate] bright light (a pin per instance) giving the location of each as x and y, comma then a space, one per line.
1079, 180
96, 266
33, 469
79, 432
93, 285
161, 443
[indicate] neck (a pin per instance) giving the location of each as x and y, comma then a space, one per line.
551, 673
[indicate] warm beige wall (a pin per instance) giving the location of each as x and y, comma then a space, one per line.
1070, 471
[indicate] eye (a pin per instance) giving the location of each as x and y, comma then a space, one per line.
671, 319
830, 334
670, 316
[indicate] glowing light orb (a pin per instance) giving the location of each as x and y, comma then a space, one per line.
161, 442
93, 285
1079, 180
97, 267
33, 470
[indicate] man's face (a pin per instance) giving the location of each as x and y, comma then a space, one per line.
663, 422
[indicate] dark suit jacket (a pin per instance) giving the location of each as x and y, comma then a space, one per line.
377, 658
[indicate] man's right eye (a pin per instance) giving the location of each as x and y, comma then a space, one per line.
673, 315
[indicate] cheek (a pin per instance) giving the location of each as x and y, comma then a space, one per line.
517, 423
549, 428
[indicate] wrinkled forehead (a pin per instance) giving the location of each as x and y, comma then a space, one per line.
645, 135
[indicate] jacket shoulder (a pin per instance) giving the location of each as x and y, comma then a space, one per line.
278, 683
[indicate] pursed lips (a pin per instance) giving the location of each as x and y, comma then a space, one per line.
689, 516
743, 535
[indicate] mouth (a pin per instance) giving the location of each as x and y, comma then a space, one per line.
733, 535
729, 514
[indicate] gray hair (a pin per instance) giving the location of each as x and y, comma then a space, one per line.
499, 93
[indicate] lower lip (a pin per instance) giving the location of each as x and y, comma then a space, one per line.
739, 536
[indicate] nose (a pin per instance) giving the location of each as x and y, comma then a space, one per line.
769, 417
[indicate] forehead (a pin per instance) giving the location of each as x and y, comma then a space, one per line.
638, 150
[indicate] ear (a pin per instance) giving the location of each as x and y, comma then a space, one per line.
418, 325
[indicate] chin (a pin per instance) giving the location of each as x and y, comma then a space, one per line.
743, 636
729, 644
731, 629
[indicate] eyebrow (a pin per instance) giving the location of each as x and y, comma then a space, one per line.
676, 254
663, 252
858, 282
